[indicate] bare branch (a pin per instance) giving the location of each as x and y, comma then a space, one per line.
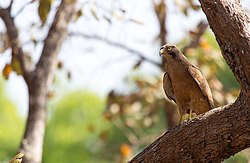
10, 6
22, 8
17, 51
118, 45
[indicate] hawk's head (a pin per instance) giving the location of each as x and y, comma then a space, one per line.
169, 51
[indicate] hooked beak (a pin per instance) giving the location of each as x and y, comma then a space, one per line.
161, 51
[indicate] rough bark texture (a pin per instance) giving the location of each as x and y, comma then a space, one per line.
217, 135
223, 131
231, 27
39, 79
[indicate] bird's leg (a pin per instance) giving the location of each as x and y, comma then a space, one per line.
190, 114
180, 119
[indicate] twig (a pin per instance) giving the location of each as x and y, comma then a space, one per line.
122, 46
14, 41
22, 8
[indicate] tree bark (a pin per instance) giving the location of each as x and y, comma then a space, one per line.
223, 131
42, 76
231, 27
39, 79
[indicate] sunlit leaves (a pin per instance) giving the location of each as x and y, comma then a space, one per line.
13, 66
77, 130
44, 9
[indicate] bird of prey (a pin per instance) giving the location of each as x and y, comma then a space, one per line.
184, 83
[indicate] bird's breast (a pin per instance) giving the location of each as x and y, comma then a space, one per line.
182, 82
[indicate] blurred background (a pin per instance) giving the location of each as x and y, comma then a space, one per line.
106, 103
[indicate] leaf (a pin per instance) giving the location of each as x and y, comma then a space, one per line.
78, 15
137, 64
6, 71
15, 64
60, 65
125, 150
93, 10
107, 19
69, 75
43, 10
51, 94
104, 135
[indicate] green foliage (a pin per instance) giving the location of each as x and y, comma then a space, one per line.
75, 128
11, 126
226, 76
78, 132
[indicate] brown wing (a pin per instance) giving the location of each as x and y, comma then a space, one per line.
167, 86
202, 83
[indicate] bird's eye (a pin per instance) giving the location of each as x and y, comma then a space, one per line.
169, 49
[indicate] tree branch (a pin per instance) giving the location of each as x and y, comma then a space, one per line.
232, 31
17, 52
52, 44
213, 137
223, 131
122, 46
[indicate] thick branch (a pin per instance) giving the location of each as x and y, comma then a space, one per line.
232, 31
224, 131
213, 137
17, 51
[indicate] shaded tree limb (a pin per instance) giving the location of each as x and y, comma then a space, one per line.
223, 131
41, 78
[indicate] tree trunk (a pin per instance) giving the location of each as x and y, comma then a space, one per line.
40, 80
221, 132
